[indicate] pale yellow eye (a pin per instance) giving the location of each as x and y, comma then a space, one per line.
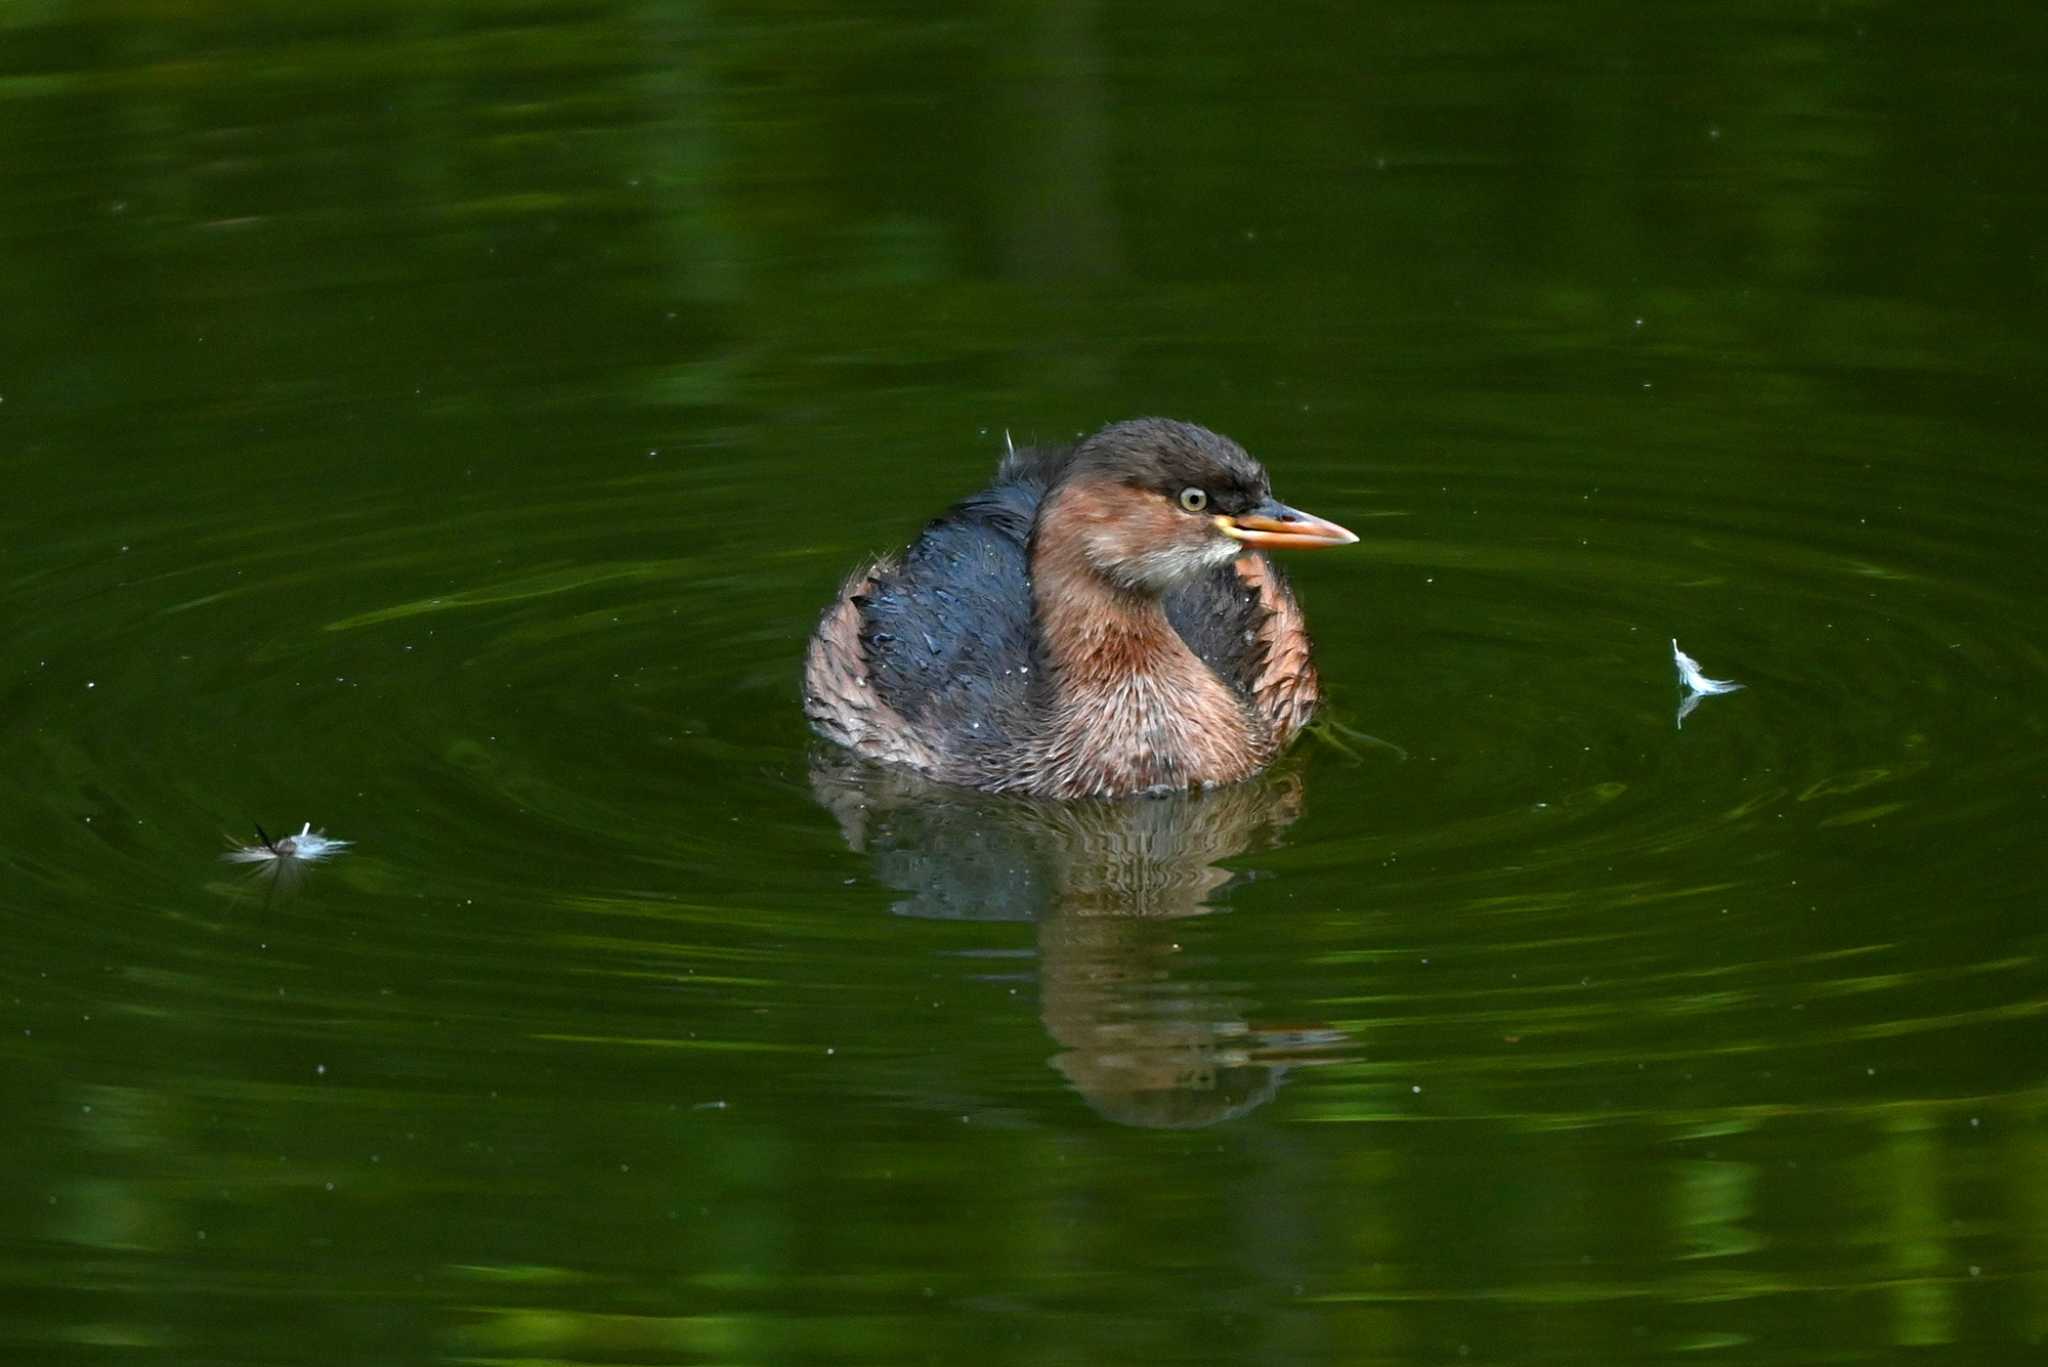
1193, 499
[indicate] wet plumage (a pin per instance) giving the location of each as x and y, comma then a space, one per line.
1098, 622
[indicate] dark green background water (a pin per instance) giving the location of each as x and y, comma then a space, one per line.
441, 423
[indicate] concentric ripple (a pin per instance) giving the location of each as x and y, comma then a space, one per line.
560, 728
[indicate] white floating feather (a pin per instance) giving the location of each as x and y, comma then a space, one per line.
1697, 684
285, 861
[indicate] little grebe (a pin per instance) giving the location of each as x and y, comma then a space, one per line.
1099, 622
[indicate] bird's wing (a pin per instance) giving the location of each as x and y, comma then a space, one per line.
947, 632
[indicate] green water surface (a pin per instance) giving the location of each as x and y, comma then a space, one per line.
441, 423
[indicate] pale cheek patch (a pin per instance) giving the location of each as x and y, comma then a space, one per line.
1161, 569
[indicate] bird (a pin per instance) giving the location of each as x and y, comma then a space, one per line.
1101, 622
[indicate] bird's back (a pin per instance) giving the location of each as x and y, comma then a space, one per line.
947, 630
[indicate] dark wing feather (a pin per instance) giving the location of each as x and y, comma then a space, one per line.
1243, 622
947, 633
1223, 620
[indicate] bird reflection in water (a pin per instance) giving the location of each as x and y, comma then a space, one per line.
1142, 1036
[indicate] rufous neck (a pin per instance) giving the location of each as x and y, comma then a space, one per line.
1095, 633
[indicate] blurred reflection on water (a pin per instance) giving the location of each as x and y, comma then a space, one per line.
1147, 1039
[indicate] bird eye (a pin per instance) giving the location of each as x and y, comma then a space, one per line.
1193, 499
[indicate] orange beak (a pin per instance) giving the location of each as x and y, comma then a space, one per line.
1273, 526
